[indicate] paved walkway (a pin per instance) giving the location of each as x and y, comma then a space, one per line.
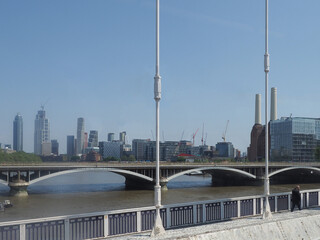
304, 224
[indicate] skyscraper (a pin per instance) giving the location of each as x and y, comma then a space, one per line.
55, 147
122, 137
93, 139
80, 136
110, 137
41, 131
18, 133
70, 146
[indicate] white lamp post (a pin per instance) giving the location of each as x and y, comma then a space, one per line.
158, 227
266, 207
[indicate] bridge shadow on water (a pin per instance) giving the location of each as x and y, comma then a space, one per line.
186, 181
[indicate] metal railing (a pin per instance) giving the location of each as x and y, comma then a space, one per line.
114, 223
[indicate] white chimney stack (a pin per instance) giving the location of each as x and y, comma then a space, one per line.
258, 109
273, 110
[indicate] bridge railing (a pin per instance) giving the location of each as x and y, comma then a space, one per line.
114, 223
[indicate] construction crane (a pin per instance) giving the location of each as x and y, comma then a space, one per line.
205, 140
225, 132
193, 136
202, 134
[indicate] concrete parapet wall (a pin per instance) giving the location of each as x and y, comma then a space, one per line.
301, 228
303, 224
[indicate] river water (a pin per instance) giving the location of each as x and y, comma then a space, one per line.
87, 192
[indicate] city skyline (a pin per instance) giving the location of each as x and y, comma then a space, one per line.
97, 62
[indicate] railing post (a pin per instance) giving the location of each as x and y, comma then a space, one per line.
261, 205
105, 226
139, 221
307, 199
238, 208
67, 229
168, 217
222, 210
204, 213
289, 202
22, 232
318, 199
254, 205
195, 213
276, 203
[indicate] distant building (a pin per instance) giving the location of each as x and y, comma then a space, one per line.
93, 156
185, 147
41, 131
225, 149
55, 147
110, 149
125, 150
169, 150
140, 149
18, 133
46, 148
8, 146
70, 146
256, 150
93, 139
80, 135
294, 139
92, 149
85, 140
122, 137
110, 137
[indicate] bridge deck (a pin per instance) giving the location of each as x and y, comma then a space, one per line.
283, 225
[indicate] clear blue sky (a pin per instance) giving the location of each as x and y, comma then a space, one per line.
96, 59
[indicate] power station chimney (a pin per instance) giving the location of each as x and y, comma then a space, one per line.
258, 109
273, 110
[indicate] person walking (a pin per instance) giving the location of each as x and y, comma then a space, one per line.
296, 198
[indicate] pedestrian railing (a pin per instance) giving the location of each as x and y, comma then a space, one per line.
119, 222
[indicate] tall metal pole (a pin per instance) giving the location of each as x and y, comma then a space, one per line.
266, 207
158, 227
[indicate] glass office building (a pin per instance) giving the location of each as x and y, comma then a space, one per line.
294, 139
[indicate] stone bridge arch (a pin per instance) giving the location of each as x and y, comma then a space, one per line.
124, 173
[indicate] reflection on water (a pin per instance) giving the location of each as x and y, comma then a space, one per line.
101, 191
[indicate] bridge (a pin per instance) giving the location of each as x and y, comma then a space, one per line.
142, 175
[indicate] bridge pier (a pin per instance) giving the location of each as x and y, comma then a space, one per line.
18, 188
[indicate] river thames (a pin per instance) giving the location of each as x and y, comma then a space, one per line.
86, 192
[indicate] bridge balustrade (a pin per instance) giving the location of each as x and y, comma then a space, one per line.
128, 221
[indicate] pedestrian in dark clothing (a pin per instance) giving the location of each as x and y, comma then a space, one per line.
296, 198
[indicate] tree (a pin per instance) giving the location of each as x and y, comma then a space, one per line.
131, 158
19, 157
181, 159
107, 159
75, 158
